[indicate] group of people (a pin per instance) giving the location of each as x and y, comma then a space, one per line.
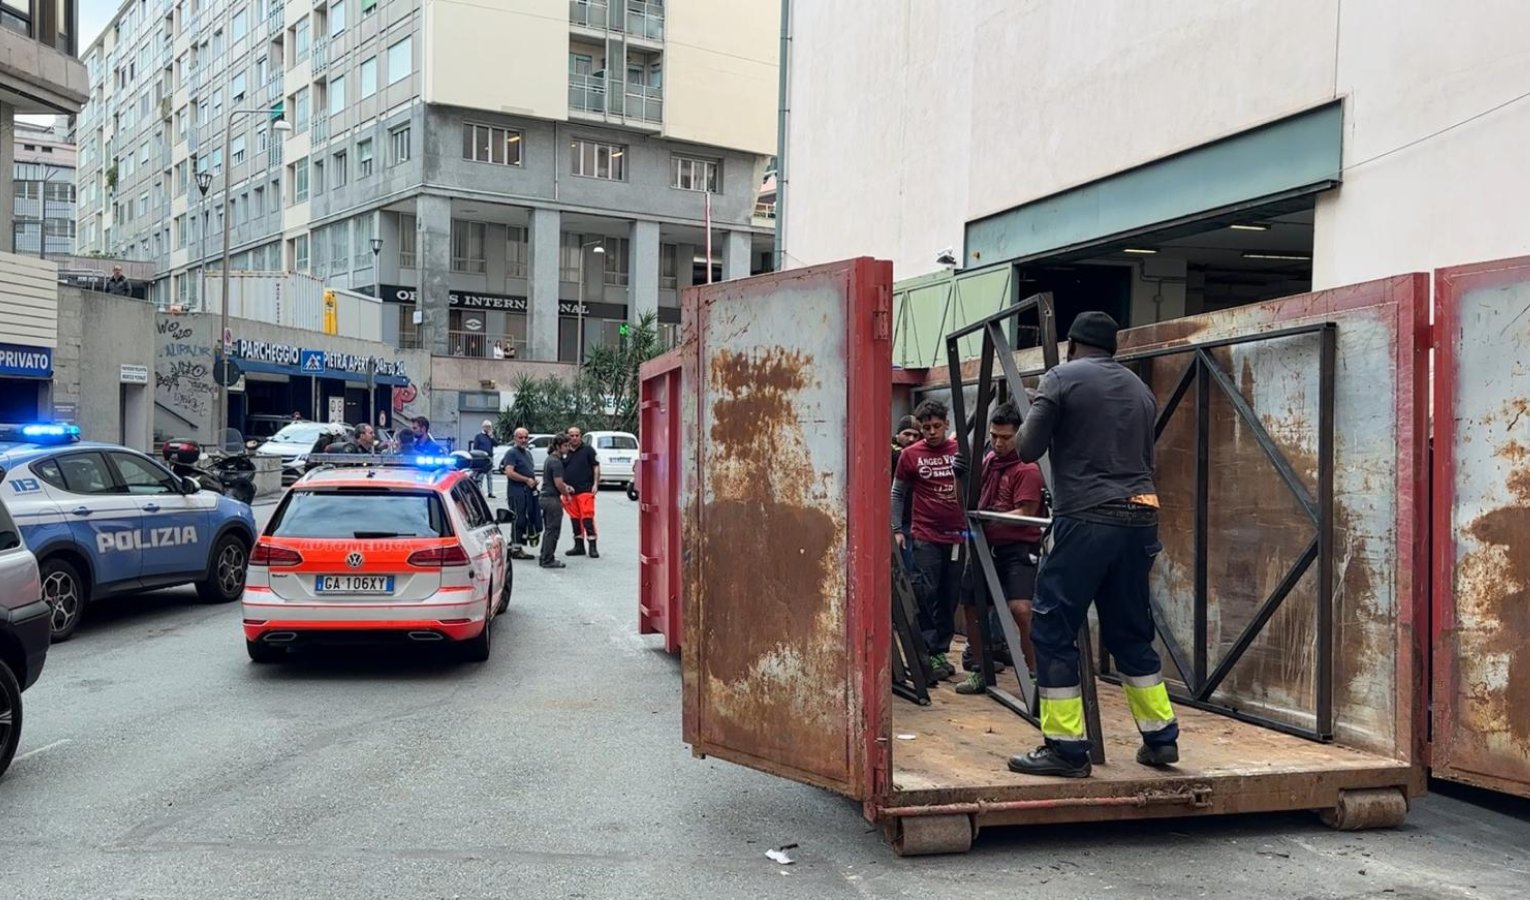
569, 479
1095, 420
414, 439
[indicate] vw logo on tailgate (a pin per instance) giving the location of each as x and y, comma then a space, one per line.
355, 560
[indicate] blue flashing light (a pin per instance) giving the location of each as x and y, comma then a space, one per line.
436, 462
41, 433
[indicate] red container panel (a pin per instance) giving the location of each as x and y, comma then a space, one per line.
658, 485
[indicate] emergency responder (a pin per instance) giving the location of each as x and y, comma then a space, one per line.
423, 441
1010, 485
1095, 419
520, 474
554, 491
483, 441
581, 469
365, 441
926, 469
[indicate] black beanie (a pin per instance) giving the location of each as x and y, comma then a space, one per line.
1096, 329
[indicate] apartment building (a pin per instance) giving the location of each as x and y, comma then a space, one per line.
515, 179
44, 177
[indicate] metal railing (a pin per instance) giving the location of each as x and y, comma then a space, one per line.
645, 103
320, 128
589, 13
587, 93
645, 20
764, 210
319, 55
477, 345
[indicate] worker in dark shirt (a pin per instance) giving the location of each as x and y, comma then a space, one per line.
520, 474
581, 469
554, 490
1095, 420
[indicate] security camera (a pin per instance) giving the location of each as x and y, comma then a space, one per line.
946, 257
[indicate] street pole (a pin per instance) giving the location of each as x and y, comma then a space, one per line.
372, 410
600, 250
708, 216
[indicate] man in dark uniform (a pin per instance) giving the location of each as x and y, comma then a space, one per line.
581, 469
554, 491
1095, 419
521, 474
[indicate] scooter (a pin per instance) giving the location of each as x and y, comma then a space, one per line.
226, 472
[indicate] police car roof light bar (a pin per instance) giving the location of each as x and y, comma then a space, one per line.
365, 460
40, 433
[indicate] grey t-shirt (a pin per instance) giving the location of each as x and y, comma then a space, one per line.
551, 471
1096, 419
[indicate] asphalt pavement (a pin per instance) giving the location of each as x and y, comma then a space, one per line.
158, 762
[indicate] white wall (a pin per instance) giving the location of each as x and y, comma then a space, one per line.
721, 82
910, 123
502, 56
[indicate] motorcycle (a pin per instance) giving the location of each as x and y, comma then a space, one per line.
223, 470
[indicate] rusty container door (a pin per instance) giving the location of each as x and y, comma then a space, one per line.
1482, 526
658, 484
786, 542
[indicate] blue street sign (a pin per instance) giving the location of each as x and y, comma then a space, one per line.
311, 362
26, 362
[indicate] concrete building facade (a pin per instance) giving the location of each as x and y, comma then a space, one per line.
507, 176
1174, 157
45, 208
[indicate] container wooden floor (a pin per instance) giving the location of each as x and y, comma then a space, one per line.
961, 747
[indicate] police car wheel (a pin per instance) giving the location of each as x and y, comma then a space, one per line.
65, 594
10, 716
476, 649
226, 581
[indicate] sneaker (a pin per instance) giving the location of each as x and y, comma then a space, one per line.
1159, 755
553, 564
973, 684
969, 664
518, 553
1046, 761
941, 667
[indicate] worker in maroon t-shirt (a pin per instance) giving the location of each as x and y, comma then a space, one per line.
926, 470
1009, 486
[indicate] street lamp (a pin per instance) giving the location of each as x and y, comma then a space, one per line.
279, 125
600, 250
204, 181
376, 275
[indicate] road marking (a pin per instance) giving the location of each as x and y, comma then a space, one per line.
30, 753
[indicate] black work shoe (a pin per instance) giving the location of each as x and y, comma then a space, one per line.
520, 554
594, 553
578, 549
553, 564
1046, 761
1158, 755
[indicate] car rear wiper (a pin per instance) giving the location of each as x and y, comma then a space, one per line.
380, 534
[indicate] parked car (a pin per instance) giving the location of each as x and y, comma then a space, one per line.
105, 519
539, 444
23, 630
618, 452
297, 440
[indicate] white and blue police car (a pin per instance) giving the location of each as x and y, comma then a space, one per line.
103, 519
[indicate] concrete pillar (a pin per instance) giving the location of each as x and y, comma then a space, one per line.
434, 249
736, 251
643, 270
685, 266
542, 307
7, 183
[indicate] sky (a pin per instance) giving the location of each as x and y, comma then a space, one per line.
94, 14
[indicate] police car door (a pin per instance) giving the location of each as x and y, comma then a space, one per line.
174, 531
105, 521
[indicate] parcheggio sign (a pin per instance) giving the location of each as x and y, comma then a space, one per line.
290, 355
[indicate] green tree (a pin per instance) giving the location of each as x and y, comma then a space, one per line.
603, 396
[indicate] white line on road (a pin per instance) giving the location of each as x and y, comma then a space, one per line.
30, 753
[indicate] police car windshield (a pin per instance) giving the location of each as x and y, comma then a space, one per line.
300, 433
363, 513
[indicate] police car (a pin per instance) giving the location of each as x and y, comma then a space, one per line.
103, 519
377, 549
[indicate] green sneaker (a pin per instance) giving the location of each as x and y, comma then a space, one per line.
942, 668
973, 684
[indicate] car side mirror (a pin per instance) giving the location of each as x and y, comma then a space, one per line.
504, 517
190, 486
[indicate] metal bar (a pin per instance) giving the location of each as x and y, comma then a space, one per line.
1013, 518
1013, 704
1012, 640
1007, 312
1251, 718
1047, 315
1261, 436
1012, 375
1261, 618
1328, 353
977, 541
1197, 796
1180, 387
1171, 643
1202, 534
1176, 349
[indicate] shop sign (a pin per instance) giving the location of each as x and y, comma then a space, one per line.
20, 360
572, 309
397, 293
293, 356
131, 374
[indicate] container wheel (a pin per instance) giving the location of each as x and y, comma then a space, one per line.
1369, 808
929, 835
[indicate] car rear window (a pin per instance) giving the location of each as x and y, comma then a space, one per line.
363, 513
616, 442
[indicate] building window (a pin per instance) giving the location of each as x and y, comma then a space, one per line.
488, 144
406, 241
368, 7
398, 142
400, 60
570, 257
236, 150
301, 39
236, 87
368, 77
298, 172
596, 159
300, 254
337, 95
240, 26
364, 158
468, 247
616, 260
300, 110
691, 174
180, 232
318, 177
338, 173
336, 18
517, 253
258, 198
667, 266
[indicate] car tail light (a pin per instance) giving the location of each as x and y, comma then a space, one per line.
265, 554
439, 557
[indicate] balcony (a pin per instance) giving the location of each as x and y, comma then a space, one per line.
587, 93
275, 19
645, 20
639, 103
319, 56
320, 129
589, 14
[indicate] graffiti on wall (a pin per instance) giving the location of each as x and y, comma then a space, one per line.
183, 385
408, 403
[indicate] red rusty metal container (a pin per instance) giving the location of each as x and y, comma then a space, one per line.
657, 482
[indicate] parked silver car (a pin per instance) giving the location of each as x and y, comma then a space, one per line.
24, 635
